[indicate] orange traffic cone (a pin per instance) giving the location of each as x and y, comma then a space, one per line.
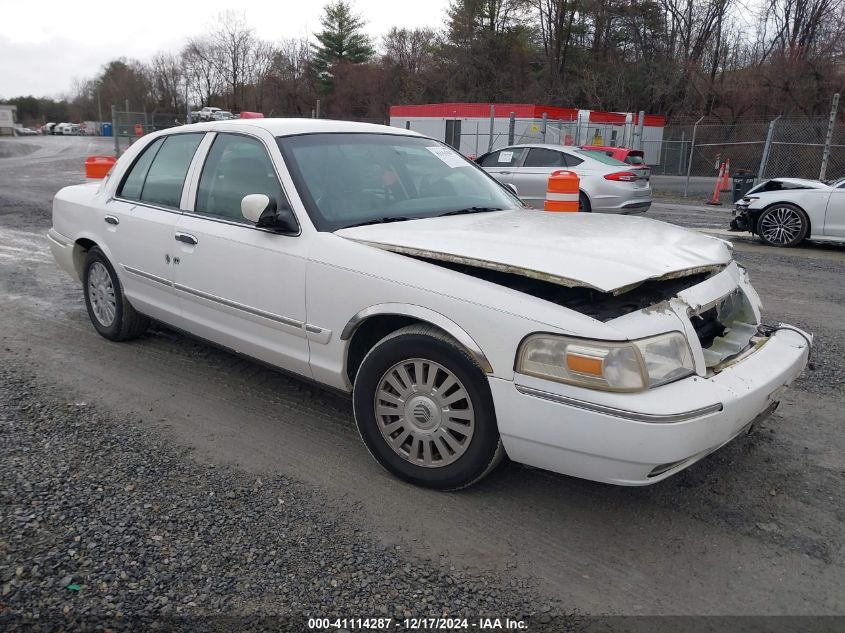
715, 199
726, 177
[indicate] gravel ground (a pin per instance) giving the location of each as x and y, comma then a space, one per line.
106, 524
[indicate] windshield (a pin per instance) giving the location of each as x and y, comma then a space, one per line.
600, 156
349, 179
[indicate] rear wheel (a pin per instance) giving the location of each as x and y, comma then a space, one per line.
424, 410
783, 225
110, 313
584, 203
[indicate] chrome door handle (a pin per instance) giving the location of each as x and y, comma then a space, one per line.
187, 239
110, 219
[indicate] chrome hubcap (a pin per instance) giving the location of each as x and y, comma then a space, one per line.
101, 294
424, 413
781, 225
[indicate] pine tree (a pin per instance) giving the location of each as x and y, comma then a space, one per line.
342, 39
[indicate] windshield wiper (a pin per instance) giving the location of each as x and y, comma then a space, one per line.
470, 210
387, 220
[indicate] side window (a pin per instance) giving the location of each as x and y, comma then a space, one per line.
134, 181
166, 175
236, 166
503, 158
572, 161
541, 157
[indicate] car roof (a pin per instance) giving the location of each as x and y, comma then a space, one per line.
291, 127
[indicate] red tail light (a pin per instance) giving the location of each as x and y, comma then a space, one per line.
622, 176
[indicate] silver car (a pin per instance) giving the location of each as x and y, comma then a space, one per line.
607, 185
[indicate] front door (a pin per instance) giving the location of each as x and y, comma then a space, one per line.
240, 286
834, 218
500, 164
532, 177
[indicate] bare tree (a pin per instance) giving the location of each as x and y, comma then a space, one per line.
167, 77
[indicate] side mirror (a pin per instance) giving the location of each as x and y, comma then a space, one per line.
512, 187
261, 209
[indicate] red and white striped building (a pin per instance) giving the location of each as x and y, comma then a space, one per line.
467, 126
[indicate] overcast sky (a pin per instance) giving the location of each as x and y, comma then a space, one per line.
45, 45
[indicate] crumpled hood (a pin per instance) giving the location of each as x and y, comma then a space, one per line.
605, 252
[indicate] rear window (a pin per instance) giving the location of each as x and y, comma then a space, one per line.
634, 159
166, 175
600, 156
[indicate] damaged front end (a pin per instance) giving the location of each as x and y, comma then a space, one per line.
715, 307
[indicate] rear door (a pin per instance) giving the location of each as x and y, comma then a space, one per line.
532, 177
141, 219
501, 163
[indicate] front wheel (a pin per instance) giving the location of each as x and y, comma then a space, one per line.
424, 409
783, 225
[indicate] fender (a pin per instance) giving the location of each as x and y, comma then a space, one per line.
423, 314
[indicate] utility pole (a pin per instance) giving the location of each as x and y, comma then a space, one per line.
834, 108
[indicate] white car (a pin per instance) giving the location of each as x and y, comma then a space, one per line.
786, 211
466, 327
207, 113
607, 185
222, 115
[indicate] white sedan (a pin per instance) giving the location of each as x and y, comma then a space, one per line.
786, 211
466, 327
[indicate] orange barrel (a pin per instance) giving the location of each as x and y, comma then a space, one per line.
139, 129
98, 166
562, 192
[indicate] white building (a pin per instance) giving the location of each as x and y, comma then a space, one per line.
8, 116
467, 126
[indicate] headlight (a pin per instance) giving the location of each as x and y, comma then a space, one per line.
606, 365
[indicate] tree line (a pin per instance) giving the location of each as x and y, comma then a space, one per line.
728, 59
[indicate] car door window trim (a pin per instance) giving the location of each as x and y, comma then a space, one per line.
215, 218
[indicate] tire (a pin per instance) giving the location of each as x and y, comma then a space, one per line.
429, 454
783, 224
584, 205
110, 313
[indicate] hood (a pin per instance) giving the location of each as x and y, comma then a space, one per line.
604, 252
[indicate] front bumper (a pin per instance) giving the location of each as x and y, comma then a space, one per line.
639, 439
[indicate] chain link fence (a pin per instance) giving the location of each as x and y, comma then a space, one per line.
781, 147
129, 126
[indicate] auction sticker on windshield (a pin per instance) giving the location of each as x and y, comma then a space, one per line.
451, 158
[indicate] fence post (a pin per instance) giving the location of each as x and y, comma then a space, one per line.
545, 122
511, 127
691, 153
640, 127
765, 157
114, 131
829, 138
492, 123
681, 153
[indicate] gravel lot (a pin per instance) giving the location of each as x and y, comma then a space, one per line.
106, 523
119, 444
